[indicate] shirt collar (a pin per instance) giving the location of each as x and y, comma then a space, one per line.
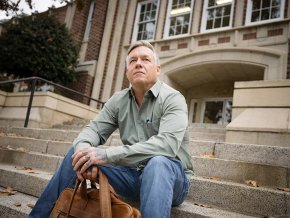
155, 89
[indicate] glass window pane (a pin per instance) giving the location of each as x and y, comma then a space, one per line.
171, 31
139, 37
211, 3
213, 112
276, 2
149, 5
147, 16
178, 30
256, 4
255, 16
153, 15
227, 10
150, 30
210, 14
217, 23
180, 20
275, 13
172, 21
265, 14
266, 3
143, 8
185, 29
141, 18
209, 24
218, 12
186, 19
226, 21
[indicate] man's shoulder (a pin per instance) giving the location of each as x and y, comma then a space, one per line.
122, 93
167, 90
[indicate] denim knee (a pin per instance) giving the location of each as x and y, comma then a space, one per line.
158, 163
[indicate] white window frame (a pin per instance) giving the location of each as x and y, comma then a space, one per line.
192, 111
136, 23
167, 23
205, 14
249, 14
89, 21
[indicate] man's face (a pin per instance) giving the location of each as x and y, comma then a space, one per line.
142, 69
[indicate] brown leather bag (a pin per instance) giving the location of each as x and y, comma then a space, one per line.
81, 202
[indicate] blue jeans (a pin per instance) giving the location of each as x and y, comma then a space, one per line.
159, 186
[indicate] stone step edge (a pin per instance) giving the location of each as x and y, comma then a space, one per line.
47, 175
276, 199
20, 204
32, 155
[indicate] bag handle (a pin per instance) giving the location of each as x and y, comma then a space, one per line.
104, 192
105, 197
73, 196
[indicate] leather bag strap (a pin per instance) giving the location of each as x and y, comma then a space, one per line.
105, 197
73, 196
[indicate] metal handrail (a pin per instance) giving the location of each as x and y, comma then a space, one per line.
33, 82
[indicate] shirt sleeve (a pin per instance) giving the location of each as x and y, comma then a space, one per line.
167, 142
100, 128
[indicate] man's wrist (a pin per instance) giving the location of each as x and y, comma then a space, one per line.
81, 146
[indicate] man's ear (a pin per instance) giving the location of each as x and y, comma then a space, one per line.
158, 70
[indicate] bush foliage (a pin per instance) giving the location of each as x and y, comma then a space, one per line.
38, 45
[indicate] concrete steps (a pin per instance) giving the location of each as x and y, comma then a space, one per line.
221, 170
16, 206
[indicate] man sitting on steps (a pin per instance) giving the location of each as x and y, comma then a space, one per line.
153, 165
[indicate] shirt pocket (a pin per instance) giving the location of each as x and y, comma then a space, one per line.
153, 127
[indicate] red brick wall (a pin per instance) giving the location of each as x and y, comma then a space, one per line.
97, 29
83, 84
60, 14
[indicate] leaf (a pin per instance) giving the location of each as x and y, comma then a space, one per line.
212, 177
208, 155
202, 205
9, 147
22, 149
27, 169
30, 205
252, 183
7, 192
17, 204
284, 189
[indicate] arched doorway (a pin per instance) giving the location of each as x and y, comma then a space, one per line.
207, 78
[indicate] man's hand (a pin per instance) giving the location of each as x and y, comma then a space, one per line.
85, 158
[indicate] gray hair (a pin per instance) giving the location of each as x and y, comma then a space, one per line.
145, 44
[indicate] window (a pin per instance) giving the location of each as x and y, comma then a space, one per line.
263, 11
217, 15
145, 20
89, 21
217, 111
178, 17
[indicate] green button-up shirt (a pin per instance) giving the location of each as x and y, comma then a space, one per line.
159, 127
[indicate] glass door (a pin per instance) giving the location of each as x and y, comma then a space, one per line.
217, 111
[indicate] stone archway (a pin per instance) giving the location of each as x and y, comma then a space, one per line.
210, 75
201, 67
